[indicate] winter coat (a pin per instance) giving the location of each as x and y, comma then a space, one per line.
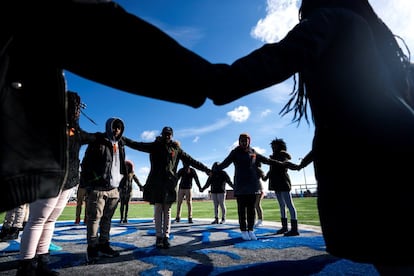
44, 38
98, 158
279, 180
161, 184
363, 134
218, 181
246, 177
77, 138
125, 186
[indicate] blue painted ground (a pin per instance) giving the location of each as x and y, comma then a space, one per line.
196, 249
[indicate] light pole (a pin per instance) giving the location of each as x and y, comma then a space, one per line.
304, 175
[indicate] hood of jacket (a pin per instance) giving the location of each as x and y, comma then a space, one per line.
108, 128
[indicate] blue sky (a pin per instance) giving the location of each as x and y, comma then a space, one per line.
220, 31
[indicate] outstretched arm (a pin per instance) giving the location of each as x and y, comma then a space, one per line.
136, 180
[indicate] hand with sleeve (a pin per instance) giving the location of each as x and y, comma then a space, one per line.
291, 166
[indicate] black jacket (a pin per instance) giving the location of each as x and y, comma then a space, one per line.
97, 40
161, 184
246, 177
362, 131
98, 158
278, 176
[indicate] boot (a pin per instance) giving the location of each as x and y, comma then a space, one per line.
27, 267
284, 228
294, 229
43, 266
13, 234
4, 233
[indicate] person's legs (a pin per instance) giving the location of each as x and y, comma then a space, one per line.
259, 209
46, 238
189, 199
40, 211
214, 197
127, 199
49, 226
158, 218
251, 215
95, 204
122, 209
221, 202
290, 205
287, 197
80, 198
250, 211
6, 230
166, 225
180, 197
283, 218
19, 217
111, 203
241, 212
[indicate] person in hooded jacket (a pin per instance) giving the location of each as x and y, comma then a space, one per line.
160, 188
43, 213
350, 71
279, 181
103, 167
247, 181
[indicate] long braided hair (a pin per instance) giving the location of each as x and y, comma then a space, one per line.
398, 63
73, 109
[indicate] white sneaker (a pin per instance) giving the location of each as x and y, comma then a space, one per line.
259, 223
252, 236
245, 235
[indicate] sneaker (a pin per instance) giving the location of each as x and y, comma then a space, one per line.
215, 221
245, 235
190, 220
259, 223
106, 251
252, 236
223, 221
159, 243
166, 243
125, 221
177, 220
92, 254
77, 220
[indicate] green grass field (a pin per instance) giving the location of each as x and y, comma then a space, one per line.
306, 210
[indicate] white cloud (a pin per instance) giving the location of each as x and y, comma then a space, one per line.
260, 150
282, 15
202, 130
149, 135
265, 113
398, 15
239, 114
